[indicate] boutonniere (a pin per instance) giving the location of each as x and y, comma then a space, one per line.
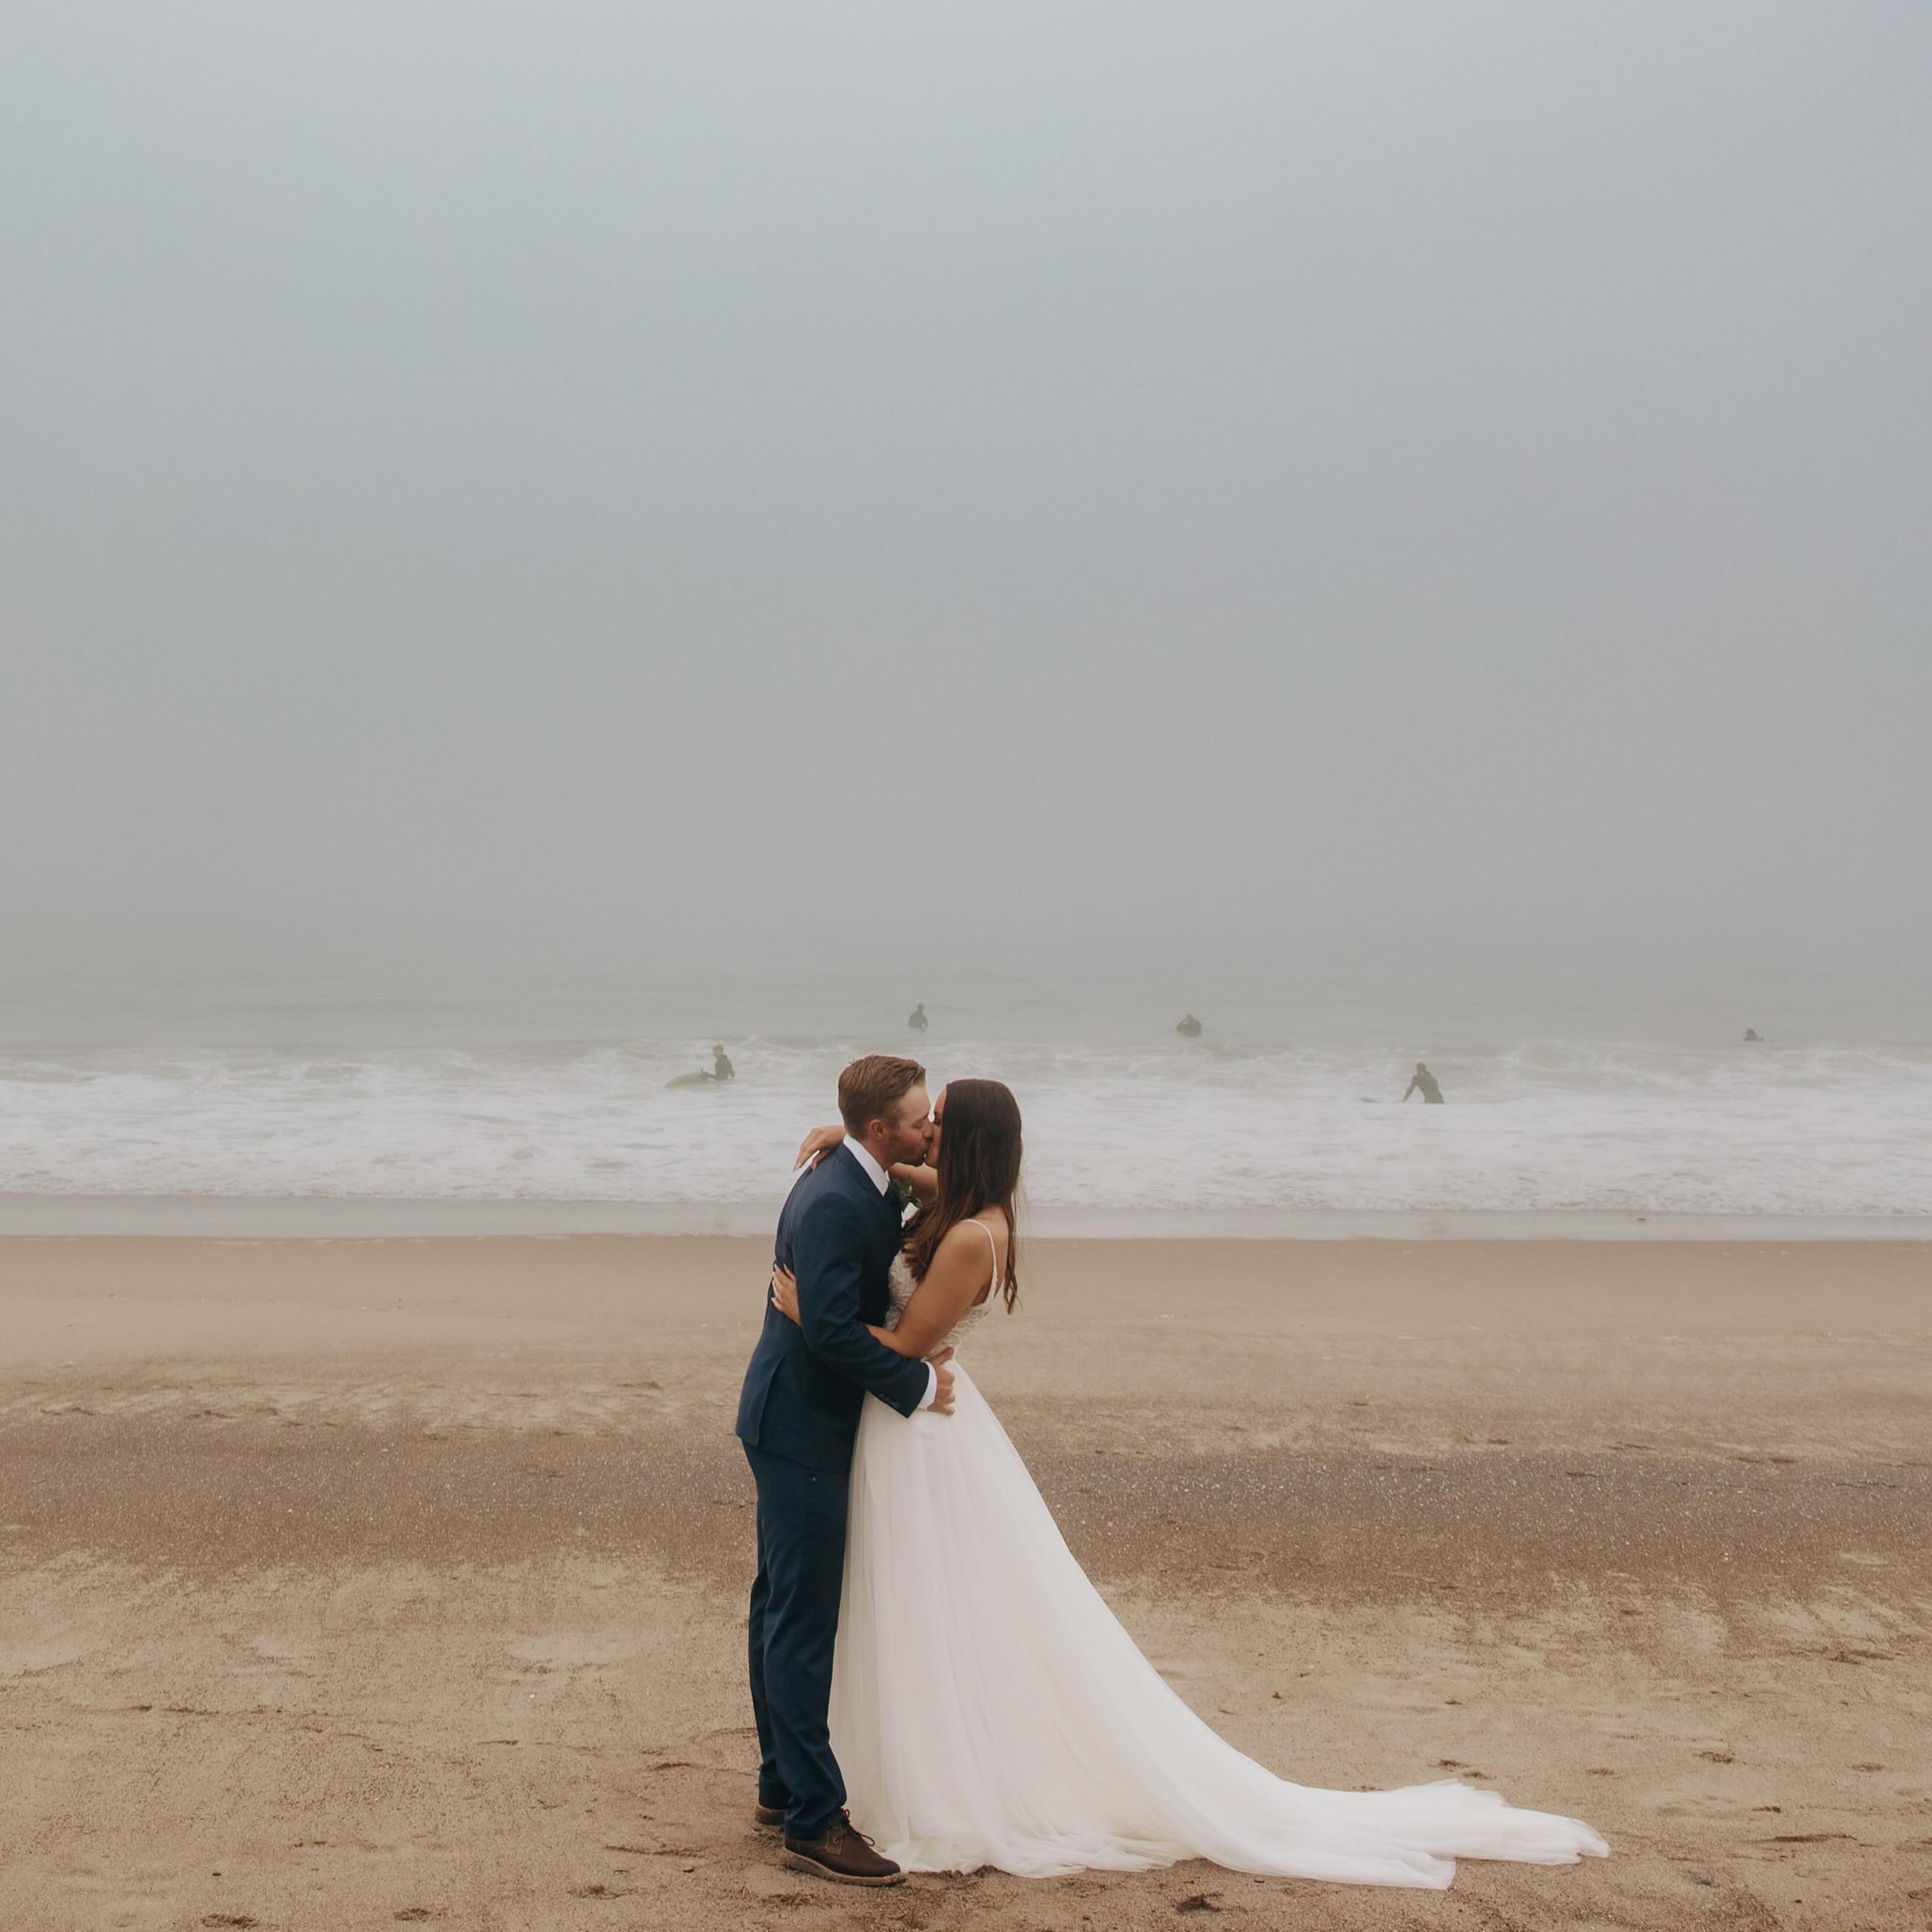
903, 1190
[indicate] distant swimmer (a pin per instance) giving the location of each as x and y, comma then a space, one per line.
1750, 1034
915, 1019
722, 1070
1190, 1028
1424, 1082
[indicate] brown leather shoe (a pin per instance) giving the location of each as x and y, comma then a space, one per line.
843, 1855
769, 1818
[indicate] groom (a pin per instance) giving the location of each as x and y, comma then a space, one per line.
797, 1417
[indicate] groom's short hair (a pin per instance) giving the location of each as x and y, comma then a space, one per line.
869, 1088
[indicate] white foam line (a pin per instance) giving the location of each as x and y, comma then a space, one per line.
238, 1216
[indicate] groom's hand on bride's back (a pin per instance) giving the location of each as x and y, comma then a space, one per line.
943, 1392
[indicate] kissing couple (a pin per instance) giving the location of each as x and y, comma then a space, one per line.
937, 1686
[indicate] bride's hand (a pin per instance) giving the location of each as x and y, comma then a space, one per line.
784, 1292
821, 1139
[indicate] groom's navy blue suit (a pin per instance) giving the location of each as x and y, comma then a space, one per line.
797, 1415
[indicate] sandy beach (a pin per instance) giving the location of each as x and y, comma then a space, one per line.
353, 1583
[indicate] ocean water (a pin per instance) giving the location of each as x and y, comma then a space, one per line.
491, 1102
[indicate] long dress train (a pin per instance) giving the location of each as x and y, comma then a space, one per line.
988, 1709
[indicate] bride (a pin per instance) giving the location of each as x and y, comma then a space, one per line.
987, 1707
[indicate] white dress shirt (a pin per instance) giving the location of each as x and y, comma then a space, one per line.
874, 1173
882, 1180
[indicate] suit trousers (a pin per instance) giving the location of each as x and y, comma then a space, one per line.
794, 1628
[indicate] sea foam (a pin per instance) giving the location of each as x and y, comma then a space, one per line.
1535, 1126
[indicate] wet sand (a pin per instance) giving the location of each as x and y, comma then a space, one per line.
348, 1583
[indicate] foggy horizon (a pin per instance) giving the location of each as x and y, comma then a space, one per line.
495, 493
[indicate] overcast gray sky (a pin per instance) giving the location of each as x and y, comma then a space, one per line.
583, 483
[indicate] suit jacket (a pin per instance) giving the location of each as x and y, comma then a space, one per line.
808, 1379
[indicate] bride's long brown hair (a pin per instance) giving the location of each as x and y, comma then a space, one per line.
979, 1153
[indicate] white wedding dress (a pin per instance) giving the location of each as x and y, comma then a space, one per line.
988, 1709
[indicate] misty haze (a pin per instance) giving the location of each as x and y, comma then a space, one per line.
485, 490
1335, 599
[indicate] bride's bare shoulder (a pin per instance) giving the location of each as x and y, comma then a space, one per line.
972, 1232
976, 1246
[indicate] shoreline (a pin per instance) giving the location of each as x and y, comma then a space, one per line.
318, 1217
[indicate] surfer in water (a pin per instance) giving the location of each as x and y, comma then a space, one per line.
1189, 1027
917, 1019
722, 1070
1424, 1082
